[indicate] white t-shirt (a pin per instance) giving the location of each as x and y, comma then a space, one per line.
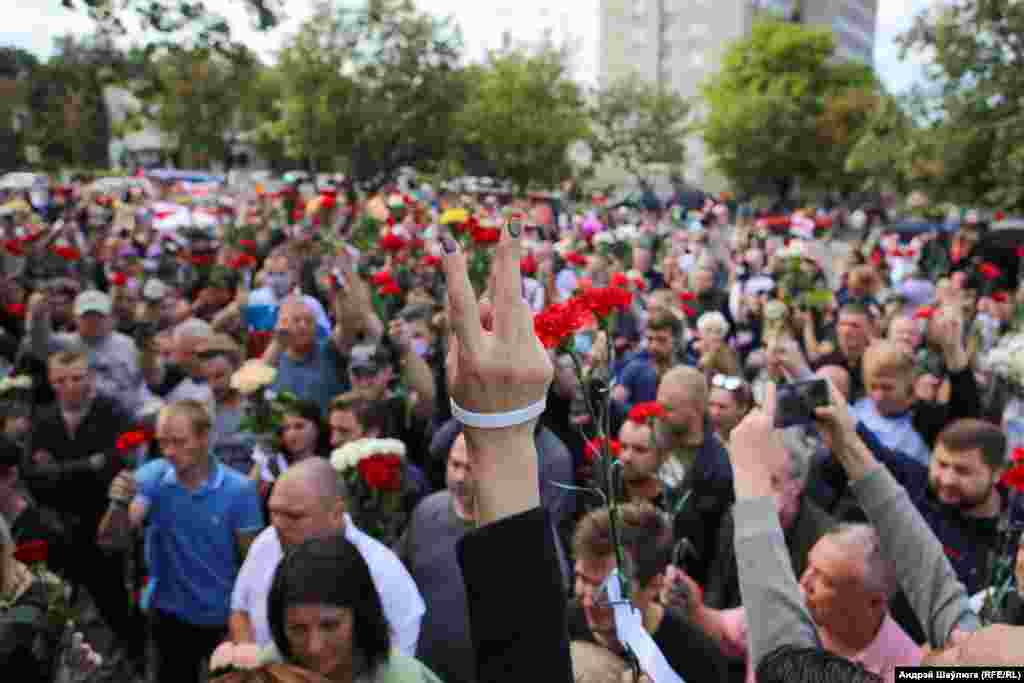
403, 605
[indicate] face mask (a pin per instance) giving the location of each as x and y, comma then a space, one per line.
279, 283
420, 346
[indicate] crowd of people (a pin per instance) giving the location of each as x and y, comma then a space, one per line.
340, 438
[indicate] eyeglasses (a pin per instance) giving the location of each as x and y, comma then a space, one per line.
727, 382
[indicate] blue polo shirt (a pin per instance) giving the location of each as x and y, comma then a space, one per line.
192, 539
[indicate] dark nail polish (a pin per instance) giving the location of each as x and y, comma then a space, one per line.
448, 244
515, 228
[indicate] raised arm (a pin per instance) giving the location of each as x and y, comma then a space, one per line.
497, 369
936, 595
776, 615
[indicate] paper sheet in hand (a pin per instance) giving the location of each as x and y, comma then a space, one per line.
629, 626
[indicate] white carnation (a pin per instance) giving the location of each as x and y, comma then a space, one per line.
604, 238
252, 377
626, 232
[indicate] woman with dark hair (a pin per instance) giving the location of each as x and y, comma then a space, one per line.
335, 628
303, 435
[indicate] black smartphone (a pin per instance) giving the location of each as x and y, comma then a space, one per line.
795, 402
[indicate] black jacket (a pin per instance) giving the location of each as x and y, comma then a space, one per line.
517, 602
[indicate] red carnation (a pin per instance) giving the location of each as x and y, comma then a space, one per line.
298, 214
201, 260
989, 271
392, 242
1000, 297
382, 472
391, 289
528, 265
32, 552
243, 262
595, 448
328, 201
382, 278
14, 248
640, 283
1020, 252
431, 261
1000, 215
576, 259
689, 310
68, 253
558, 322
247, 244
119, 279
1014, 477
129, 441
924, 313
643, 412
486, 236
619, 280
34, 233
17, 310
603, 301
1018, 454
687, 297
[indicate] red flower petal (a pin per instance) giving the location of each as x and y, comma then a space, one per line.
528, 265
1014, 477
17, 310
391, 289
132, 440
924, 313
486, 236
989, 271
14, 248
642, 413
32, 552
595, 448
382, 472
1018, 454
382, 278
119, 279
687, 297
431, 261
392, 242
1000, 297
619, 280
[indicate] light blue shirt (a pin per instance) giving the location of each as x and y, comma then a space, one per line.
896, 433
192, 539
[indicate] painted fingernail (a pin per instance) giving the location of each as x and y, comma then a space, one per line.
515, 228
448, 244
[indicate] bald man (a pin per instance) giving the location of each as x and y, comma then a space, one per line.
308, 501
696, 471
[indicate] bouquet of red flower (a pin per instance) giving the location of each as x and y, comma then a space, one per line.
378, 489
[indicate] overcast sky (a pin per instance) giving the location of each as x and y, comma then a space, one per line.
36, 22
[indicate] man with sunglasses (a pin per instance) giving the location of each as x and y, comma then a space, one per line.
729, 400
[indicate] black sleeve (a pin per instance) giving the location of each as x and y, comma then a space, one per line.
516, 600
689, 651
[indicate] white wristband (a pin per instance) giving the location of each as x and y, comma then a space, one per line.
498, 420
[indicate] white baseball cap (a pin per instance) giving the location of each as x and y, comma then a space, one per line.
93, 301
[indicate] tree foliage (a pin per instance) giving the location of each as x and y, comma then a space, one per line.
976, 58
636, 124
522, 112
175, 24
195, 97
783, 109
369, 90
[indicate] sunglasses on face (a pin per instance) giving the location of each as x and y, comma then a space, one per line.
727, 382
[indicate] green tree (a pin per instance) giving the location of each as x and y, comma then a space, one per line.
635, 125
69, 121
977, 101
195, 97
17, 72
369, 90
522, 113
769, 121
174, 24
